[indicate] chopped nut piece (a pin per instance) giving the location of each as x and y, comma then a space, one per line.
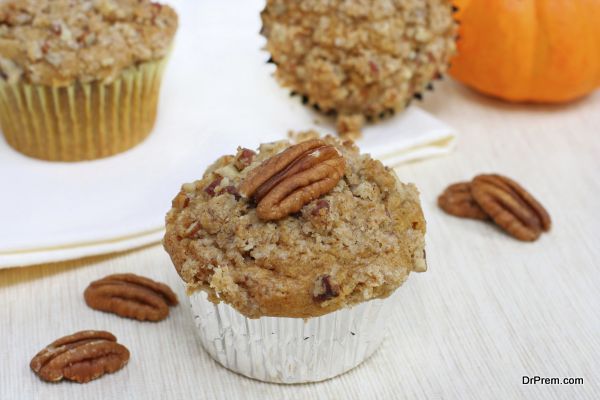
231, 190
243, 158
374, 67
180, 201
321, 208
324, 289
56, 28
210, 189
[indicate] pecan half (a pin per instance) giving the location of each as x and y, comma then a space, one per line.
510, 206
458, 200
80, 357
284, 183
131, 296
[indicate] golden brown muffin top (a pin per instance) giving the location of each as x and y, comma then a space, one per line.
357, 242
56, 42
359, 59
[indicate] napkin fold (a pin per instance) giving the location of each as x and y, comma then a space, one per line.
74, 251
218, 94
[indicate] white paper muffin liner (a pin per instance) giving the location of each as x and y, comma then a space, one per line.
290, 350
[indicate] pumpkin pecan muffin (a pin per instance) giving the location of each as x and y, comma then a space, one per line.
296, 231
291, 255
79, 79
359, 59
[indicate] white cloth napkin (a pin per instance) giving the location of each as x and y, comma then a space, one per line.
218, 94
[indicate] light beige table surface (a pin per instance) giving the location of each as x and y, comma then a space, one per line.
489, 310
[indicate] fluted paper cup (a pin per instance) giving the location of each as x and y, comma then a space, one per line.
82, 121
290, 350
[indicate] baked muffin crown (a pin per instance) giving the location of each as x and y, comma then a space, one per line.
359, 59
357, 242
57, 42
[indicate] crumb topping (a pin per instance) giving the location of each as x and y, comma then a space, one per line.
55, 42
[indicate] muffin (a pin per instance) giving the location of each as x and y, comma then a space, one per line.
359, 59
80, 79
288, 253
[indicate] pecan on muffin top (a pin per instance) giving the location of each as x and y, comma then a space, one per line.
55, 42
350, 232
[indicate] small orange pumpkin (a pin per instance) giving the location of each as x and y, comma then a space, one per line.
544, 51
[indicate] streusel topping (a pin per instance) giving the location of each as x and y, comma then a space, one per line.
357, 242
359, 58
55, 42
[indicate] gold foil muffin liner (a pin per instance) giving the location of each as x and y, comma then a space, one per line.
291, 350
83, 121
